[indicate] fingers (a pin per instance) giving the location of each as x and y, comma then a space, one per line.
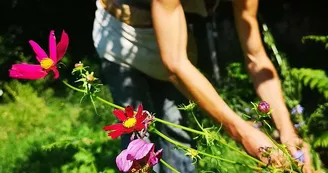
294, 145
307, 158
279, 159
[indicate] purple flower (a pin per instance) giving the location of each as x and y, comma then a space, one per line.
297, 110
298, 125
263, 107
139, 156
299, 155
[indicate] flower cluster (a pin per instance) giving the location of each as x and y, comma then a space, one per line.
140, 155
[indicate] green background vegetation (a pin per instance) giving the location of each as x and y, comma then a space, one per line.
45, 128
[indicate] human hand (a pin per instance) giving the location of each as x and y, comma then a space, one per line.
259, 145
297, 148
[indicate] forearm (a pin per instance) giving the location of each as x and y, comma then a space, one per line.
263, 73
268, 88
203, 93
170, 27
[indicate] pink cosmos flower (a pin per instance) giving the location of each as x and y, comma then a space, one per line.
47, 63
138, 157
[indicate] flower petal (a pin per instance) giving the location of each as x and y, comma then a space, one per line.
139, 126
62, 46
139, 148
40, 53
141, 118
299, 155
123, 164
119, 114
116, 130
140, 110
27, 71
129, 111
154, 158
115, 134
52, 46
114, 127
56, 72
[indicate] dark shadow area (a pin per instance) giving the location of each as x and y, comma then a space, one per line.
46, 161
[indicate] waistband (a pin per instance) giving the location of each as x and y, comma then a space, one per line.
131, 15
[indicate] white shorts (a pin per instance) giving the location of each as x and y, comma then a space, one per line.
126, 45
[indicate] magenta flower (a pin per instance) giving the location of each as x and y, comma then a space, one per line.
263, 107
47, 63
138, 157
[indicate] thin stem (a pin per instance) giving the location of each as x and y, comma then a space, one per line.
169, 166
109, 103
200, 152
179, 126
73, 87
192, 113
242, 153
173, 125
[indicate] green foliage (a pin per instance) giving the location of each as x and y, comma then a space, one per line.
315, 79
316, 38
321, 141
36, 129
213, 165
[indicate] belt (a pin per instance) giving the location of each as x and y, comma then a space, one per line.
133, 16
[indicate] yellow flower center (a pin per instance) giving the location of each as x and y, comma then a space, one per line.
46, 63
130, 122
139, 169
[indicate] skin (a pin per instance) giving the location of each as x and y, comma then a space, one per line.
171, 33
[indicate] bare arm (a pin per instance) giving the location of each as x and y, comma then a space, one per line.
264, 75
259, 66
171, 32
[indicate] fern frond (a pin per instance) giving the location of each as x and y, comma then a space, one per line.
317, 38
321, 141
315, 79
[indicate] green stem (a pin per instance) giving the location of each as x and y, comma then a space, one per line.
109, 103
225, 144
200, 152
170, 124
73, 87
192, 113
179, 126
169, 166
241, 153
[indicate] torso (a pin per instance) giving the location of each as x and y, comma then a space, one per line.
137, 12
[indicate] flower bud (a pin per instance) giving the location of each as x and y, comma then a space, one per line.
263, 107
90, 78
78, 65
